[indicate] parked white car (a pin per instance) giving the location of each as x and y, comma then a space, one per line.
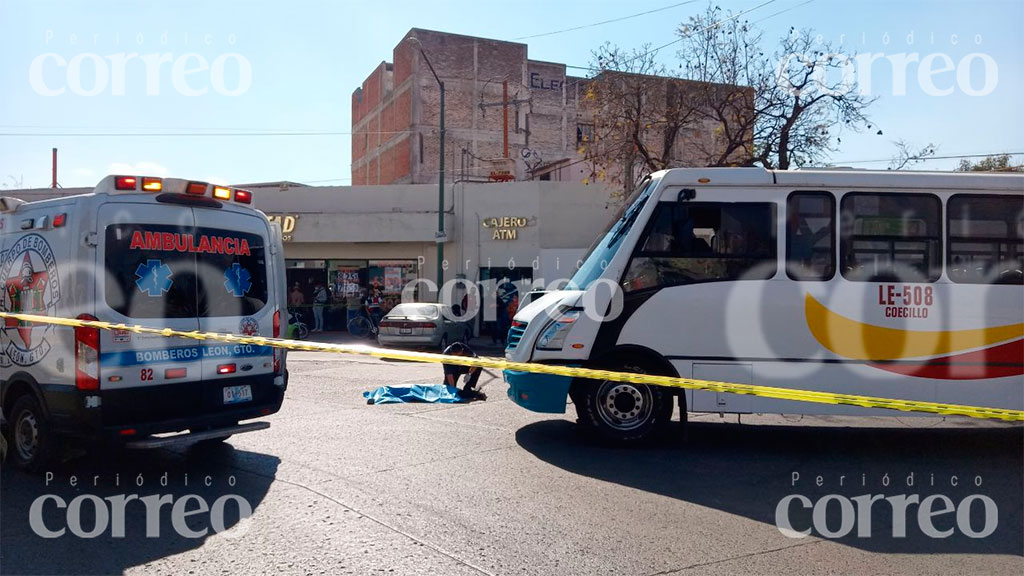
423, 324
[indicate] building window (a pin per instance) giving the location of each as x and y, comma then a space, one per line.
891, 237
811, 236
688, 243
584, 134
985, 239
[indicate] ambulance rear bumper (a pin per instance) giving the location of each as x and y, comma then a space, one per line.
129, 415
193, 437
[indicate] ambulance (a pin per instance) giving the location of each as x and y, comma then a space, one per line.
154, 252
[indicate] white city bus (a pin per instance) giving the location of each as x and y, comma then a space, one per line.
895, 284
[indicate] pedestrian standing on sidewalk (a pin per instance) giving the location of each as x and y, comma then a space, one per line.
320, 298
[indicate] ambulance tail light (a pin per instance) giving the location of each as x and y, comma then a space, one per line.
277, 334
87, 355
243, 196
125, 182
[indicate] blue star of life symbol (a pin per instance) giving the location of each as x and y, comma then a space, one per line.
153, 277
237, 280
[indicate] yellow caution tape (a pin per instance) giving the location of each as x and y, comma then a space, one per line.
587, 373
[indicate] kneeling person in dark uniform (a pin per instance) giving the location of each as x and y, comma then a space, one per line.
453, 371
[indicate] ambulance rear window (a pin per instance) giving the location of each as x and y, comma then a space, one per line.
162, 271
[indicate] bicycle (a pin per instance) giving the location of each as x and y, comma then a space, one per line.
297, 329
362, 325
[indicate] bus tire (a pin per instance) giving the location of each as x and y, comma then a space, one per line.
31, 442
624, 412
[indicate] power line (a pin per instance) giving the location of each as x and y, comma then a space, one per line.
214, 134
952, 157
688, 34
708, 27
782, 11
602, 23
178, 134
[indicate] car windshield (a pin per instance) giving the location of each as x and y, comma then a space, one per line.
607, 244
427, 310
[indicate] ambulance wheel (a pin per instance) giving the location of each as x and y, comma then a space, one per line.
30, 434
625, 412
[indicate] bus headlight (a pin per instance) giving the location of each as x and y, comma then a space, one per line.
553, 336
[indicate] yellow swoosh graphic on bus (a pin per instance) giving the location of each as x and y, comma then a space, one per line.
860, 341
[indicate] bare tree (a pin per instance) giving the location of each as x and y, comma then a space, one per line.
732, 103
907, 155
16, 183
723, 57
811, 99
996, 163
638, 114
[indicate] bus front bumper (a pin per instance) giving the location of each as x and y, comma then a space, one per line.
544, 393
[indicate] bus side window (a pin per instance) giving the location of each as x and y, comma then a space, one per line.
697, 242
890, 237
811, 236
985, 239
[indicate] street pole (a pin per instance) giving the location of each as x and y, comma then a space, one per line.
440, 177
440, 201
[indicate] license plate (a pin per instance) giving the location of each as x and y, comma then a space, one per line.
405, 330
236, 394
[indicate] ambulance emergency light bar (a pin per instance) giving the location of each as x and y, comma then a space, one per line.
127, 184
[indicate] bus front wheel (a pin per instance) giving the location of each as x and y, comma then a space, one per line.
625, 412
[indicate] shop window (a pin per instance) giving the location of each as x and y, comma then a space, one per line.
810, 236
891, 237
695, 242
985, 239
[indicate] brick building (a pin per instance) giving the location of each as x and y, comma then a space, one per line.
506, 115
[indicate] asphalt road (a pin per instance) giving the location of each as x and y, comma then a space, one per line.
340, 487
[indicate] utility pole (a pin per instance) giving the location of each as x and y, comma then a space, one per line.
440, 239
504, 116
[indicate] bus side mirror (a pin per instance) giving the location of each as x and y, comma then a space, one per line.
686, 194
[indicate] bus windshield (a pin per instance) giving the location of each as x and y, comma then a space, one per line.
607, 244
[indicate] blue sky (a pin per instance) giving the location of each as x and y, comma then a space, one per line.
306, 58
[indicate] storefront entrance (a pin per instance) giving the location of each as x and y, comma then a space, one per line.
344, 280
501, 288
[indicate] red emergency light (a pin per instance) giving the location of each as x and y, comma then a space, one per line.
125, 182
196, 188
226, 369
243, 196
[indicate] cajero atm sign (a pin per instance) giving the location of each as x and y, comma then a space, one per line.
287, 222
505, 227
